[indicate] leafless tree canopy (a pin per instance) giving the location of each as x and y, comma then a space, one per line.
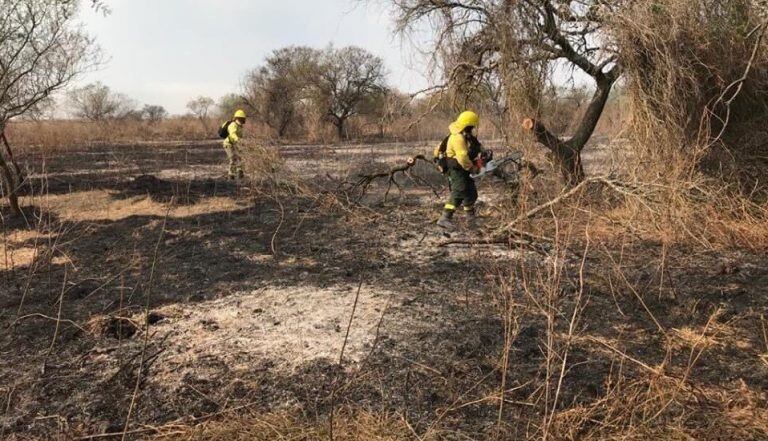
275, 91
229, 104
97, 102
512, 48
347, 78
386, 107
154, 113
201, 108
692, 61
42, 51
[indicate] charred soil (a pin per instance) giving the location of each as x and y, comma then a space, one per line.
143, 282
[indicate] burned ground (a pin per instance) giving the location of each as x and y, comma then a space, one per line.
250, 298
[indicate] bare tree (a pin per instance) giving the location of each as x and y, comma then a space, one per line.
271, 99
521, 43
494, 104
201, 107
229, 104
97, 102
386, 108
42, 51
347, 78
153, 113
275, 91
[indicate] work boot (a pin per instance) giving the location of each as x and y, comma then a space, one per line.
471, 218
445, 221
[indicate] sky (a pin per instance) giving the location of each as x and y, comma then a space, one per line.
167, 52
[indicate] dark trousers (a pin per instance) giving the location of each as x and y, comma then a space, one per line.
463, 189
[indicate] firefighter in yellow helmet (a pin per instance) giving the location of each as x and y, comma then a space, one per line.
456, 157
232, 132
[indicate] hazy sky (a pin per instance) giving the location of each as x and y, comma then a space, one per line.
169, 51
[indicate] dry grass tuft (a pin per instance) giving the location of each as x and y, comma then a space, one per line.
349, 424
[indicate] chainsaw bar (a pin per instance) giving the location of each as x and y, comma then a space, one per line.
495, 164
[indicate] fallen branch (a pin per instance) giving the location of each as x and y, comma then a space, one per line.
364, 181
537, 247
505, 233
533, 212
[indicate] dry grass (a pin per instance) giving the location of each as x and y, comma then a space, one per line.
706, 215
349, 424
58, 134
52, 135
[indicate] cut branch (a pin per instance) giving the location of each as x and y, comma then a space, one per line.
365, 180
506, 233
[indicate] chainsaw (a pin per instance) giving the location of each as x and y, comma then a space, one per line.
488, 164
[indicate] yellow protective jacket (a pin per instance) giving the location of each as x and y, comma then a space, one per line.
235, 134
458, 147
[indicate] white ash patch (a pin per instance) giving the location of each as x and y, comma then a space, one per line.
287, 327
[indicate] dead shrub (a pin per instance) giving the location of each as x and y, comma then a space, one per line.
695, 73
266, 170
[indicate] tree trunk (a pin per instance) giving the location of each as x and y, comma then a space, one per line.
8, 150
204, 124
567, 157
10, 177
340, 129
567, 153
569, 160
281, 130
285, 121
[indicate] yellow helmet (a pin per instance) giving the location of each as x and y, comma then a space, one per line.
240, 114
467, 119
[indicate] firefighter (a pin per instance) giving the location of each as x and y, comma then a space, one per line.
456, 156
234, 133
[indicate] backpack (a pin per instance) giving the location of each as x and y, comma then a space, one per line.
445, 163
224, 130
474, 147
442, 160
